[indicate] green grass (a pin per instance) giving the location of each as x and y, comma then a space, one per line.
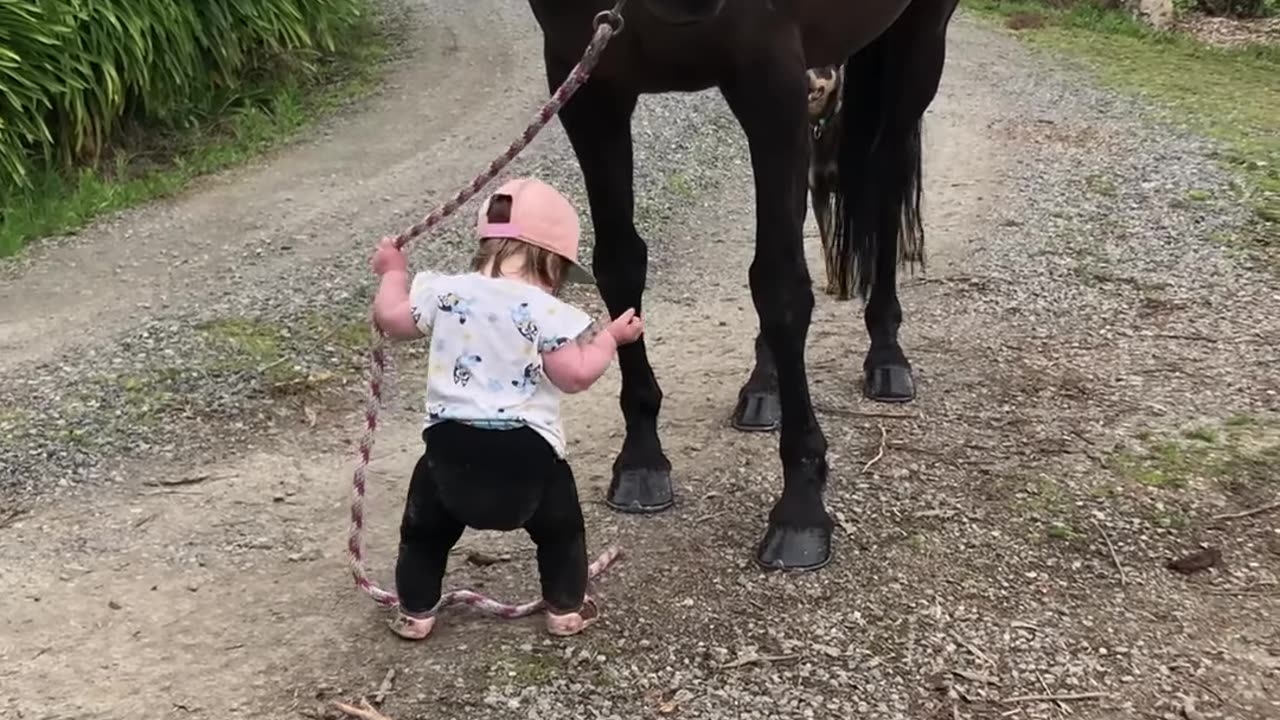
1241, 450
1230, 95
282, 353
151, 165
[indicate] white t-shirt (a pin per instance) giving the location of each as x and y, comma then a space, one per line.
487, 339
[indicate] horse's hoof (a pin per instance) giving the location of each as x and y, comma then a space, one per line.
758, 411
640, 491
794, 548
889, 384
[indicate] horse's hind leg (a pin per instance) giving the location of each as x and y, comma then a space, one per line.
768, 98
598, 122
888, 86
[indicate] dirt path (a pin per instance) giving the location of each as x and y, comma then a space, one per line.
1096, 385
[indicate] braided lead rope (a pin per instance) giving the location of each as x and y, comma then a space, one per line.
490, 606
606, 24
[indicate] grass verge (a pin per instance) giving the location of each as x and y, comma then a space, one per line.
1230, 95
150, 165
1240, 453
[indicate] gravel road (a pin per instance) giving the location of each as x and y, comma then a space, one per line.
1097, 388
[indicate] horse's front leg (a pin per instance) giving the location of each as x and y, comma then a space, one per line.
768, 96
598, 122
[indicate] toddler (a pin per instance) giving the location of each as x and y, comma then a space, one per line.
503, 349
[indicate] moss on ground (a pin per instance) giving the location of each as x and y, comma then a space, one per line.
1241, 450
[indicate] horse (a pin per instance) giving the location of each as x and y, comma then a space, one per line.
757, 52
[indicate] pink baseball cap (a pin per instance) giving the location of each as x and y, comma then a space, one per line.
540, 216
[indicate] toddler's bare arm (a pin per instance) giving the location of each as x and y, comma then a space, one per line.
577, 365
391, 308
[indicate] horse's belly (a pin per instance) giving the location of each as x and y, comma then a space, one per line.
835, 29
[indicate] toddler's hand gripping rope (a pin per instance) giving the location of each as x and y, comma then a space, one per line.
607, 24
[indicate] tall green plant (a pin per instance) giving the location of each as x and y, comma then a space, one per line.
73, 71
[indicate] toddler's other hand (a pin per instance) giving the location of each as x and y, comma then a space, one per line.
627, 328
388, 258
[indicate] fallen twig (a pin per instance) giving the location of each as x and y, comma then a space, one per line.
1210, 690
884, 436
366, 712
1245, 593
1112, 549
1065, 697
286, 358
975, 677
187, 480
10, 516
1248, 513
863, 413
143, 521
384, 688
709, 516
753, 659
274, 363
970, 646
1062, 707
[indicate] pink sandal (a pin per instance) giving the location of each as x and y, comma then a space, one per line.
410, 627
572, 623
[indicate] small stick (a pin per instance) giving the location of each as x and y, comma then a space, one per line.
1247, 513
1111, 548
286, 358
1062, 707
139, 523
384, 688
1055, 698
274, 363
1211, 691
758, 659
368, 712
187, 480
970, 647
884, 434
975, 677
11, 516
864, 414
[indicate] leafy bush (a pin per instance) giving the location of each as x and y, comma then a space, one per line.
74, 72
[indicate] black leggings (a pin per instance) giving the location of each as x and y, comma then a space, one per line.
490, 480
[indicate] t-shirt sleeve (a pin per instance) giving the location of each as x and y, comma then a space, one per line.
559, 324
424, 299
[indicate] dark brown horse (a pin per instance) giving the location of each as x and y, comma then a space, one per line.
756, 52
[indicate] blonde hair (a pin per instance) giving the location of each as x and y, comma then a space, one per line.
538, 264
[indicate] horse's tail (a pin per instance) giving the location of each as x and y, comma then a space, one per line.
877, 204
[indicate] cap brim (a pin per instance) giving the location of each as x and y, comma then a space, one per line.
579, 275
